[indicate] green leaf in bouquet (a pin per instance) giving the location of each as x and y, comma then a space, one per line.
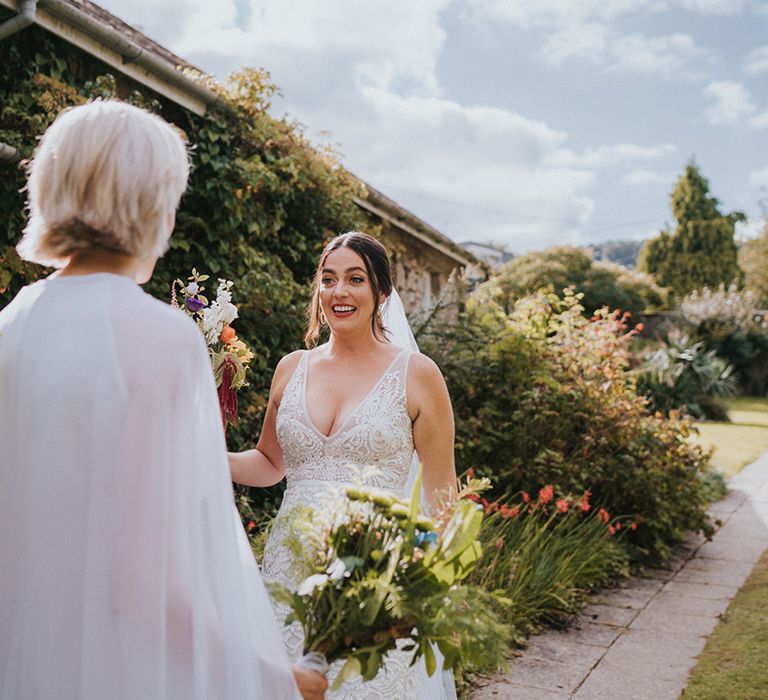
459, 566
462, 530
348, 671
429, 659
351, 563
382, 586
283, 594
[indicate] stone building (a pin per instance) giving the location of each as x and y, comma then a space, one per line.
424, 258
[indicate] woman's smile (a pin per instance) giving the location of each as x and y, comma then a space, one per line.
343, 310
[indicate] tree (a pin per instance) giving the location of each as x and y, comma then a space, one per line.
701, 252
753, 259
601, 283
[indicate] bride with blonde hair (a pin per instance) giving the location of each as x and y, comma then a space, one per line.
366, 397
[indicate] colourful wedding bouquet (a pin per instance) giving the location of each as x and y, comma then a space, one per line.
229, 355
377, 572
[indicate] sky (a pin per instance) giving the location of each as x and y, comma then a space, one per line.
525, 123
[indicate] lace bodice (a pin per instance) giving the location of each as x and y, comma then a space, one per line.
377, 432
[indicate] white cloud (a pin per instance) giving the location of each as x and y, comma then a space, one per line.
590, 42
753, 227
732, 102
649, 177
757, 60
368, 78
612, 155
663, 55
549, 13
667, 55
563, 13
714, 7
759, 178
759, 121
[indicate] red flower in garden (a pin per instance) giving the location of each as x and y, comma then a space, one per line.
250, 525
584, 506
603, 515
514, 511
525, 497
546, 494
474, 497
612, 529
633, 526
470, 473
562, 505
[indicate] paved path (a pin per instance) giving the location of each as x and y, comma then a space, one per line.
639, 641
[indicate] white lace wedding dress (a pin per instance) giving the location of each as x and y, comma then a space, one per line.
377, 433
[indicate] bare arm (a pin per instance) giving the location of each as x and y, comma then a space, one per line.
433, 430
264, 465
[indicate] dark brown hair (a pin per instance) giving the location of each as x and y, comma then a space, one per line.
376, 261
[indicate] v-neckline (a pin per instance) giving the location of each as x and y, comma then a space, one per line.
353, 411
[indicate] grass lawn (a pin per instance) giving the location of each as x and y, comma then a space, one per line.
734, 663
740, 442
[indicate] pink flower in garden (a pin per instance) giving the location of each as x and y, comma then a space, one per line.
633, 526
584, 506
603, 515
526, 497
250, 525
612, 529
562, 505
546, 494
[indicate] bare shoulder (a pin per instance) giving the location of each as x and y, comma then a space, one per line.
423, 372
283, 373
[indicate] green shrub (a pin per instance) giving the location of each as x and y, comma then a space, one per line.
543, 396
601, 283
728, 321
681, 375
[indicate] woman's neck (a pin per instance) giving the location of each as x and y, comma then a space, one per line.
358, 345
96, 260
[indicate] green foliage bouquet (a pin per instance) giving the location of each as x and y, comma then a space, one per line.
379, 572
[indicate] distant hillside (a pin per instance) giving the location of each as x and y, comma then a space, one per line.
621, 252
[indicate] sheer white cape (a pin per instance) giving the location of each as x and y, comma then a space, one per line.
124, 570
440, 686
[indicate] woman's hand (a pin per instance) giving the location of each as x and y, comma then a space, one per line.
312, 685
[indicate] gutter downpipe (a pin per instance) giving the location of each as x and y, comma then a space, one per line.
25, 17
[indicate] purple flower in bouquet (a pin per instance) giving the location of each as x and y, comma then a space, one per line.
194, 304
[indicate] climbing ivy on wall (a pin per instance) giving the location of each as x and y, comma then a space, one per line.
261, 200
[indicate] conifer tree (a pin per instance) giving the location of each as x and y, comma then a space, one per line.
701, 251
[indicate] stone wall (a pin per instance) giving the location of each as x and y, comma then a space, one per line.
421, 271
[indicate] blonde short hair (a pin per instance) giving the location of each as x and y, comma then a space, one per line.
105, 175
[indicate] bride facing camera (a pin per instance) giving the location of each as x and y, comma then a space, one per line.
364, 398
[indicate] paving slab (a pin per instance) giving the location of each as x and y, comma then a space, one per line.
677, 603
513, 691
701, 590
609, 615
639, 640
606, 683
